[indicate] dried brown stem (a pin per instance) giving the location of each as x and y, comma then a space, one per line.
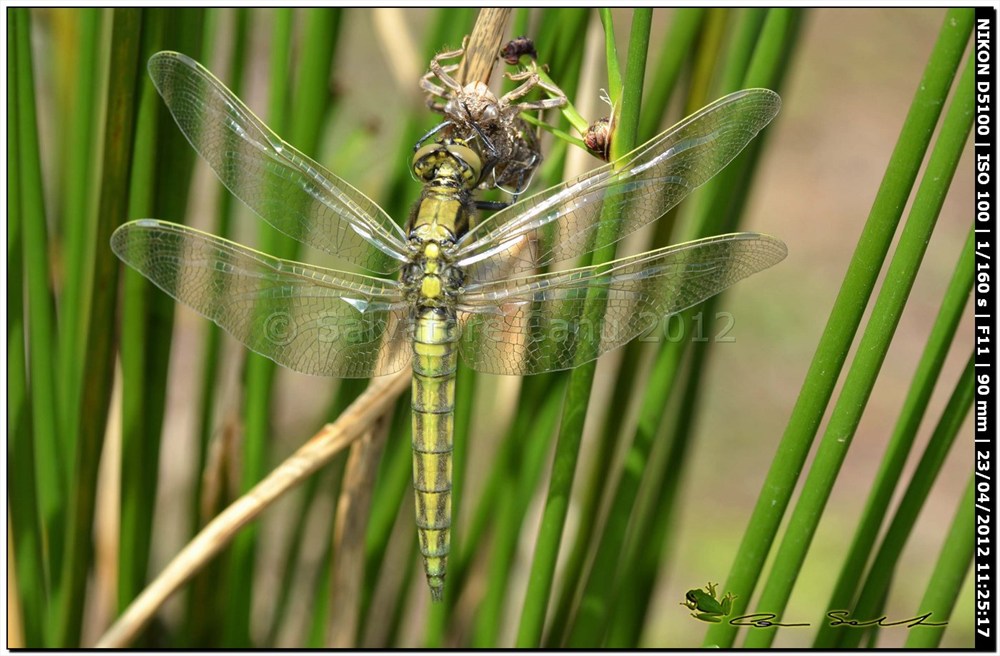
349, 533
356, 420
483, 46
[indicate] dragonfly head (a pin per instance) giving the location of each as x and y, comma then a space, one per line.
449, 159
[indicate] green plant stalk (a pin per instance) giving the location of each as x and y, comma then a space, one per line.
205, 591
638, 471
644, 549
51, 459
770, 59
392, 482
710, 47
625, 497
98, 368
712, 206
599, 481
521, 20
580, 382
949, 572
569, 112
486, 627
79, 209
521, 474
25, 523
556, 506
536, 392
591, 620
636, 585
308, 112
611, 57
139, 450
488, 501
161, 164
396, 614
773, 49
676, 46
394, 479
567, 62
320, 613
914, 406
658, 388
871, 353
593, 492
213, 340
845, 317
147, 337
558, 38
876, 585
182, 29
747, 36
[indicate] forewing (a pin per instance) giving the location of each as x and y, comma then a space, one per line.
286, 188
536, 324
314, 320
610, 202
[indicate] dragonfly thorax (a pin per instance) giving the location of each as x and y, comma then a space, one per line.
432, 279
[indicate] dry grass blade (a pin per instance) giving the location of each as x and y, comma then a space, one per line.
376, 400
349, 533
484, 44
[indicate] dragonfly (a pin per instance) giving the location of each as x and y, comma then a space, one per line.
448, 284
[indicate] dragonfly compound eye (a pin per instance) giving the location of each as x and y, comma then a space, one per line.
447, 159
469, 161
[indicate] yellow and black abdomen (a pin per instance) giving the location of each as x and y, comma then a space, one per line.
435, 358
450, 170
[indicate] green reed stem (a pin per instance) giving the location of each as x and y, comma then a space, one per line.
581, 378
870, 355
845, 317
79, 209
98, 369
875, 588
26, 524
925, 377
950, 571
140, 450
52, 462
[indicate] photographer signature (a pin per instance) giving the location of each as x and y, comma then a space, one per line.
837, 618
707, 606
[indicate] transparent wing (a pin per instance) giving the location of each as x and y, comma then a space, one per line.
610, 202
310, 319
287, 189
536, 324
